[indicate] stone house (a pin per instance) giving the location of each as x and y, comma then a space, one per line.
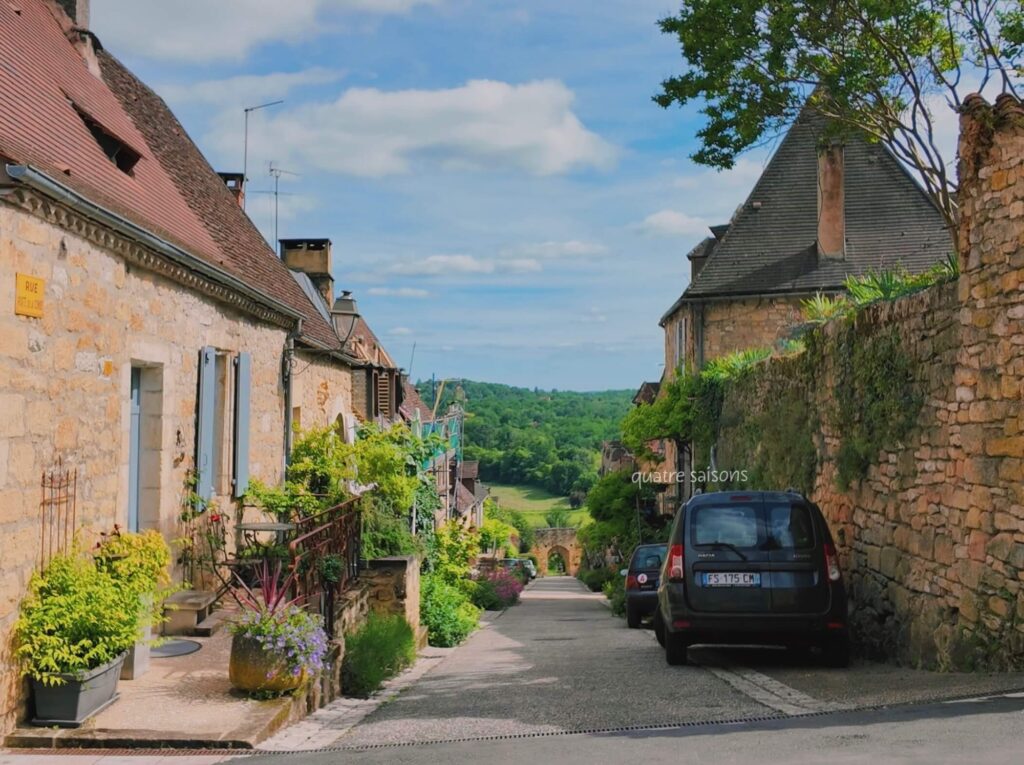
822, 209
149, 336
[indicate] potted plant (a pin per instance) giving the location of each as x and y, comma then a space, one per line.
139, 562
276, 644
74, 629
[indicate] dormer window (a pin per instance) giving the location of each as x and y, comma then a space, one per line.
117, 151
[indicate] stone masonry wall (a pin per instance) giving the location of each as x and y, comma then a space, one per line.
932, 538
736, 325
64, 393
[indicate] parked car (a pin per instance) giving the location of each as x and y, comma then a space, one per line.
523, 566
752, 568
642, 577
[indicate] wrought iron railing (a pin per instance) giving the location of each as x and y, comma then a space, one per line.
325, 556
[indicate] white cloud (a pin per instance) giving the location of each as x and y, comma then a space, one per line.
201, 31
400, 331
673, 223
483, 124
250, 89
553, 250
399, 292
462, 265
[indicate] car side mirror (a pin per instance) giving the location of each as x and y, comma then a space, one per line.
624, 572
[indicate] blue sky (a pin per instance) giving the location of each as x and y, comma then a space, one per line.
498, 185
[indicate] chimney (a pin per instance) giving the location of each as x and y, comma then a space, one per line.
831, 202
313, 258
236, 183
77, 11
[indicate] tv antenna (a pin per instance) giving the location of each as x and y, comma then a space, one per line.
277, 172
245, 150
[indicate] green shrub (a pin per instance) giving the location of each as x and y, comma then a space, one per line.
76, 617
615, 590
595, 578
446, 611
379, 649
485, 595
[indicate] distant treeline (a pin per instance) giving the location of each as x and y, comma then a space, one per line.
550, 439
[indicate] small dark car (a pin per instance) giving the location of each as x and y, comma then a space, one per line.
642, 582
752, 568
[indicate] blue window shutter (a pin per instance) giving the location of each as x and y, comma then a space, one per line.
204, 422
243, 382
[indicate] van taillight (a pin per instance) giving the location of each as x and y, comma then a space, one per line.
631, 582
676, 571
831, 563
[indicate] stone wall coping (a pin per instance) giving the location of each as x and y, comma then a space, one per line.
394, 561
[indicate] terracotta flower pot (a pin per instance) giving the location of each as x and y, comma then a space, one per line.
255, 670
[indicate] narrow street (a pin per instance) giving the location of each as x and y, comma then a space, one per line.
560, 663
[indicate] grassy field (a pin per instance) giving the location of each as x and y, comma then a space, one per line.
534, 503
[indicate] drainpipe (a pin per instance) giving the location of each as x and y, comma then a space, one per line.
287, 365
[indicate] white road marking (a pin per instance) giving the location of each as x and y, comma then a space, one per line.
770, 692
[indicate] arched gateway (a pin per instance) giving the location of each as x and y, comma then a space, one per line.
561, 542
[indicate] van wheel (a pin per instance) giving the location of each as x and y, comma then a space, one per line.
632, 618
675, 650
659, 628
836, 653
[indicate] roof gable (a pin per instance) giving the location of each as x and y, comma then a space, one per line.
771, 243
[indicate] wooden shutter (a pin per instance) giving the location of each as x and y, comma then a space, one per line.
243, 384
384, 394
205, 421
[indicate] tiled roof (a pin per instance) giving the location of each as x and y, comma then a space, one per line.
412, 402
464, 499
241, 249
771, 243
365, 346
43, 78
647, 393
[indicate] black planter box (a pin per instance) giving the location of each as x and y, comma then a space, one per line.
79, 698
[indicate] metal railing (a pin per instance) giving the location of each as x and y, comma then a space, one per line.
325, 556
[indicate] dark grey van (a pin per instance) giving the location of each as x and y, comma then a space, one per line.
751, 568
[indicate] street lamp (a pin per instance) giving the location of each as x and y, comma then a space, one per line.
345, 315
245, 149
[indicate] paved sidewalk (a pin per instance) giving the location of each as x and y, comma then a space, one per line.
325, 726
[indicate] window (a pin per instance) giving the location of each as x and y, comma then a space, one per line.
790, 527
735, 525
222, 423
117, 151
648, 559
681, 341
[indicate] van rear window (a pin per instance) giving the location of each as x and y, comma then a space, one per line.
735, 525
790, 526
648, 559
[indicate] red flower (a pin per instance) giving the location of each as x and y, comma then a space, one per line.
214, 518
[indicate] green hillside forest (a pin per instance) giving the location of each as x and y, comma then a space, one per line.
522, 436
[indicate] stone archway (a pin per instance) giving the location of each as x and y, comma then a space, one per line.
562, 541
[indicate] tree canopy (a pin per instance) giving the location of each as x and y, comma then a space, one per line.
884, 67
523, 436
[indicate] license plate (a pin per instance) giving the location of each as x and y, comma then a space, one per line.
731, 579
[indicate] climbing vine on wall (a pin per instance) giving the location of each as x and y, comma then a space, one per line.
877, 402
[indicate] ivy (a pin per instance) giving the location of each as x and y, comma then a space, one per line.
876, 398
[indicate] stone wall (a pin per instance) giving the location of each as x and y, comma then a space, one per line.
64, 393
562, 541
932, 536
393, 585
736, 325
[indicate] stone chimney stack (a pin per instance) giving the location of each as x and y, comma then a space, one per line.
77, 11
831, 202
236, 183
313, 258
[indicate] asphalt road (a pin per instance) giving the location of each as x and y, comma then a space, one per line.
559, 679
